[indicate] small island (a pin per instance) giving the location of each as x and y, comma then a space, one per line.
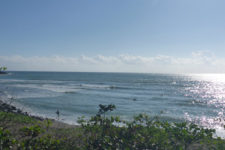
3, 70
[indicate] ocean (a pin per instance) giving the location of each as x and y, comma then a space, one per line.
199, 98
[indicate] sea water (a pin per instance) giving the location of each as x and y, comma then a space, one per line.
199, 98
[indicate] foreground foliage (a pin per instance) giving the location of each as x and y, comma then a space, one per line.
146, 133
110, 133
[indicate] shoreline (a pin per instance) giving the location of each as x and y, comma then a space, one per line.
5, 107
43, 131
8, 108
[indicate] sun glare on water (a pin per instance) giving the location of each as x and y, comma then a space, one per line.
210, 90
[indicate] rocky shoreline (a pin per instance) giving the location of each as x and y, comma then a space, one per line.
10, 108
5, 107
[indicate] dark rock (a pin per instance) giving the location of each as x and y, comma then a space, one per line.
9, 108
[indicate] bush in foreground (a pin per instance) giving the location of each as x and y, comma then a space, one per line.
145, 133
109, 133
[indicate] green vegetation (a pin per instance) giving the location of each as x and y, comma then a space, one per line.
145, 133
13, 118
101, 132
33, 141
3, 69
6, 139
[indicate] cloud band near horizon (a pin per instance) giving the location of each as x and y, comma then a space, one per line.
198, 62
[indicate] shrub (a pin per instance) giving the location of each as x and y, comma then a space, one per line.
35, 141
41, 143
144, 133
32, 131
6, 140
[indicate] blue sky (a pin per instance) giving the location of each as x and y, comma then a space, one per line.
84, 30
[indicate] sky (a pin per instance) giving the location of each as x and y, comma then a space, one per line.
154, 36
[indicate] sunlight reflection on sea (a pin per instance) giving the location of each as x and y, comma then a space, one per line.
198, 98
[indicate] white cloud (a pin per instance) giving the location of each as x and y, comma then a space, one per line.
198, 62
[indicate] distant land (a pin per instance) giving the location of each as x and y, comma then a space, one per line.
3, 70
